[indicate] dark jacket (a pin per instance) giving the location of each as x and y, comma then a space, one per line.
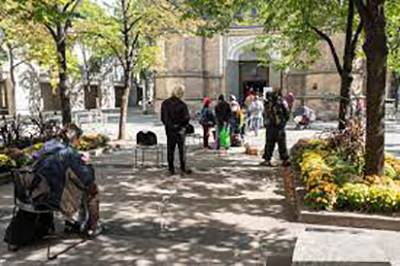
175, 115
223, 112
276, 110
207, 117
53, 162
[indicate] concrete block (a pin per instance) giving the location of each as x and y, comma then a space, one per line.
334, 248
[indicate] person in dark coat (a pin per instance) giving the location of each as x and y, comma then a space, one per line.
57, 159
277, 114
223, 114
175, 117
207, 121
62, 181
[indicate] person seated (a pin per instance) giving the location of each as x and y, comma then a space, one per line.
59, 160
60, 180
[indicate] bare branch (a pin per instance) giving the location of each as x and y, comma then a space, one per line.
71, 12
115, 50
52, 32
20, 63
362, 10
331, 46
133, 24
132, 48
355, 38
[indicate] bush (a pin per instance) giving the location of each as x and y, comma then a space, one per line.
332, 171
90, 142
6, 163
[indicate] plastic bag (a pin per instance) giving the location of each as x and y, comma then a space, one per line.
224, 137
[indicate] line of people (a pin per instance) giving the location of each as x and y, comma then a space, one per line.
231, 121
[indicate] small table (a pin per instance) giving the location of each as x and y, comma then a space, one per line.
158, 149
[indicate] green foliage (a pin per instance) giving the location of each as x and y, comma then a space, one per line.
392, 11
91, 142
6, 163
289, 29
374, 198
331, 171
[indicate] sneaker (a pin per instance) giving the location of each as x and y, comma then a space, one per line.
266, 163
91, 233
286, 163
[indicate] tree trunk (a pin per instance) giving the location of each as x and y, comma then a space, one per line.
376, 50
63, 77
345, 75
124, 107
11, 109
345, 86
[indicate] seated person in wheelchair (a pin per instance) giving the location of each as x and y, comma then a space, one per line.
65, 182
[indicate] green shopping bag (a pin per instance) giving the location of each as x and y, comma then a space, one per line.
224, 137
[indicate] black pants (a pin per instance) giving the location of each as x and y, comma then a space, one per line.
174, 139
275, 135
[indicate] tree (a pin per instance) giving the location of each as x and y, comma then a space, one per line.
56, 17
21, 43
295, 28
127, 29
372, 13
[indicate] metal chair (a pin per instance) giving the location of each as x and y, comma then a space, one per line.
158, 149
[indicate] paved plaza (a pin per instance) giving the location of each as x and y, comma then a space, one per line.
230, 211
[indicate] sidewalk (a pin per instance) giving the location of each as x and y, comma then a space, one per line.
231, 211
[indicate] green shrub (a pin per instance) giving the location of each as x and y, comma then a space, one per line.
6, 163
374, 198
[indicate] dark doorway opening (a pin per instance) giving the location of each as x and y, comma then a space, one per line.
252, 75
256, 85
51, 100
91, 97
119, 91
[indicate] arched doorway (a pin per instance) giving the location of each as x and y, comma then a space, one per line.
244, 71
252, 75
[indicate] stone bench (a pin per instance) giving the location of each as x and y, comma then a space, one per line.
347, 247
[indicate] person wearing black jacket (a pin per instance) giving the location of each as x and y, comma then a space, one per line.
175, 117
223, 114
277, 114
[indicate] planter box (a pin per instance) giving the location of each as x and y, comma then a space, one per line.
294, 194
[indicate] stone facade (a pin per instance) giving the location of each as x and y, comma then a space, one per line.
223, 64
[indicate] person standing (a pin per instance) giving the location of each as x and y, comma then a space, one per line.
223, 114
256, 110
207, 121
175, 117
277, 115
248, 100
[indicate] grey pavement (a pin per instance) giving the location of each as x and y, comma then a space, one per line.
138, 122
230, 211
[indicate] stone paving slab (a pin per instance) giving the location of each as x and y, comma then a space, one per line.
231, 211
346, 248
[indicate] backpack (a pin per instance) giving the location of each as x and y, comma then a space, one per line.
189, 129
146, 138
277, 112
207, 118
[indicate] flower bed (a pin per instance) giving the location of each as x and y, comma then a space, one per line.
331, 171
14, 158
